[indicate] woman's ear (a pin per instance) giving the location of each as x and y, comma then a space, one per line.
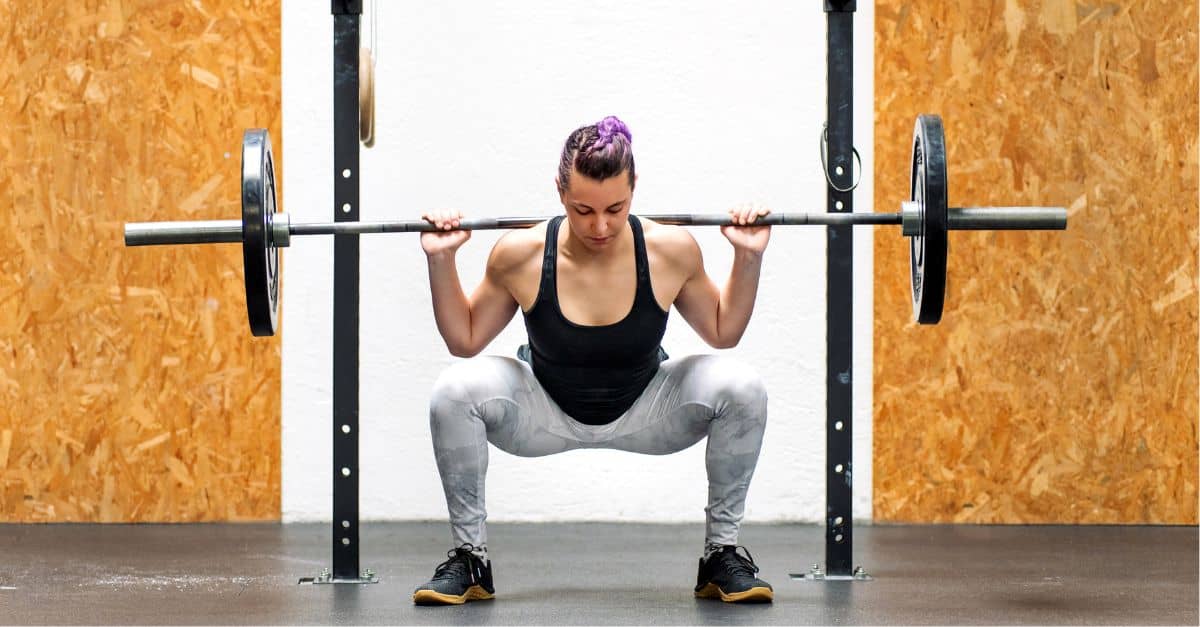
561, 191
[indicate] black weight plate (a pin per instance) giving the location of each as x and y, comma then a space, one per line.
927, 250
259, 254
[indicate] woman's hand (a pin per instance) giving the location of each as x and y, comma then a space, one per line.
745, 236
444, 241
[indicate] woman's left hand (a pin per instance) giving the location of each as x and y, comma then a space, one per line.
744, 235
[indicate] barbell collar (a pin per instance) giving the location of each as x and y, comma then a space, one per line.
910, 218
281, 229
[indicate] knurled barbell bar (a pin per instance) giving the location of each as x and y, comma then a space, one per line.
925, 219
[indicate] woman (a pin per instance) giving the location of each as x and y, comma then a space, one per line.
595, 287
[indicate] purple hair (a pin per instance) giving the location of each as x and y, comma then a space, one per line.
597, 151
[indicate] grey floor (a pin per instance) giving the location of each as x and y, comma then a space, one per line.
561, 574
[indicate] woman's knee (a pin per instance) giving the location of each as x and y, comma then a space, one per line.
467, 384
730, 380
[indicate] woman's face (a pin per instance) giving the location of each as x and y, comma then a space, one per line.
597, 211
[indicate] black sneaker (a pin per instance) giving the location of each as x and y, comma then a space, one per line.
729, 576
464, 577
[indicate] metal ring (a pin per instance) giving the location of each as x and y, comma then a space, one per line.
825, 163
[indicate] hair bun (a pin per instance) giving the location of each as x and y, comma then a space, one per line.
611, 126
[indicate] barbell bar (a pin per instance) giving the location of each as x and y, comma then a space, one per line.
924, 219
230, 231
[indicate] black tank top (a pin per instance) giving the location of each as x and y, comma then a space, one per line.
594, 373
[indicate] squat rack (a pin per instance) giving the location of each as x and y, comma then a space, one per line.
839, 297
839, 430
347, 16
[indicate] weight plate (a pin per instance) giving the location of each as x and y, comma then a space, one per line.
927, 250
259, 254
366, 98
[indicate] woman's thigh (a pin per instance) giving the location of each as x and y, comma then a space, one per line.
518, 415
677, 407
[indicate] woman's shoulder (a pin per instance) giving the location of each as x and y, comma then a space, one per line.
671, 241
667, 236
517, 247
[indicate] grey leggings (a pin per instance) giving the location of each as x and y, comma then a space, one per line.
498, 400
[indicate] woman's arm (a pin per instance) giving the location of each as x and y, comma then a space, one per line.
720, 315
467, 325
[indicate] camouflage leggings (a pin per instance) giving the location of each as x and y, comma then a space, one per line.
498, 400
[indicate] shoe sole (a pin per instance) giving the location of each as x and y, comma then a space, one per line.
753, 595
429, 597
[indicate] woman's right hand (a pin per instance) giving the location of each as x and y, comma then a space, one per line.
444, 240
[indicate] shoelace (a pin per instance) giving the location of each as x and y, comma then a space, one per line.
457, 566
739, 565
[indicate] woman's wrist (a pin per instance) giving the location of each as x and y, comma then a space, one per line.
441, 256
747, 255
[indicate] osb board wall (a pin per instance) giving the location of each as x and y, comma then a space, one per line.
1062, 385
131, 388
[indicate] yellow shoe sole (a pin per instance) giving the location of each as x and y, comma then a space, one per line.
429, 597
753, 595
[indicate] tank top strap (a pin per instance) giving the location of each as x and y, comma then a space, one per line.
641, 260
548, 287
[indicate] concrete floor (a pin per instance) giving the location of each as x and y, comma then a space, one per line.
597, 574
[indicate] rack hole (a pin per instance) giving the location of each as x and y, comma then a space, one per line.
839, 171
838, 520
345, 524
838, 425
838, 204
837, 468
345, 471
346, 207
346, 173
345, 428
346, 541
838, 538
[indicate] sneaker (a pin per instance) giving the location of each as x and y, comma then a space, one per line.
464, 577
729, 576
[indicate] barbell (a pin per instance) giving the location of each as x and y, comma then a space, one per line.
925, 219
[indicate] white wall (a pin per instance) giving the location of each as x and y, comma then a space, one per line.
725, 102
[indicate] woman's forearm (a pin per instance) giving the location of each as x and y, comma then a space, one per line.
738, 296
